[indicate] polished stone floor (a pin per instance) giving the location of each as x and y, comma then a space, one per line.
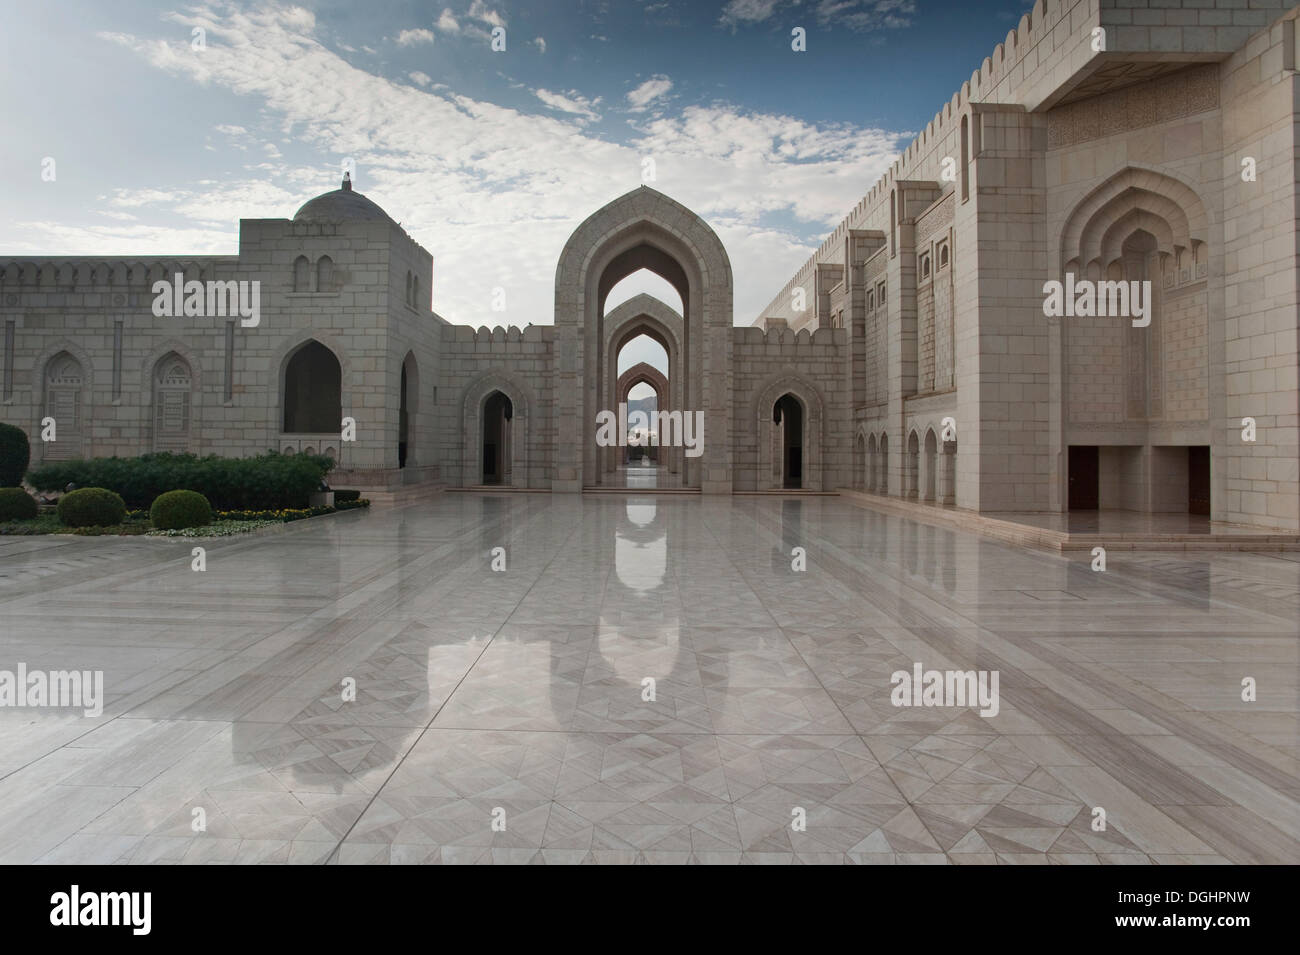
516, 697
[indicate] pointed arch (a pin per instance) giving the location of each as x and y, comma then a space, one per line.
814, 418
173, 380
643, 229
1177, 208
473, 402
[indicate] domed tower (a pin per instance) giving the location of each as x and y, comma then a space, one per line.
342, 205
346, 330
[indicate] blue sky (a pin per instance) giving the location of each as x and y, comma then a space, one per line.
489, 159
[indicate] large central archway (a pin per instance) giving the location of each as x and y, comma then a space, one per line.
643, 229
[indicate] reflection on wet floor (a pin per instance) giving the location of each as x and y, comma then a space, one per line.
646, 678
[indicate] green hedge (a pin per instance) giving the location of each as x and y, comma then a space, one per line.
15, 454
91, 507
179, 509
16, 504
267, 481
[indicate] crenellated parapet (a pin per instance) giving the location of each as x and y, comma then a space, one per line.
71, 273
499, 337
783, 340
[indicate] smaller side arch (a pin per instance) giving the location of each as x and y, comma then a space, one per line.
814, 422
472, 404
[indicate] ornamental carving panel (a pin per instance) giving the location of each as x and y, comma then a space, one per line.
1160, 100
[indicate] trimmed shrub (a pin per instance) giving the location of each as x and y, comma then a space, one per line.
267, 481
342, 497
91, 507
175, 510
16, 504
15, 455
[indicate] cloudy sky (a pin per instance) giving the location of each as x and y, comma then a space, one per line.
489, 159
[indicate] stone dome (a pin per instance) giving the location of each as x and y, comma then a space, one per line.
339, 205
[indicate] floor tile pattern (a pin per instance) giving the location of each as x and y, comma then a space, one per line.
505, 717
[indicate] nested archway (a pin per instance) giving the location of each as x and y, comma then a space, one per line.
785, 399
643, 229
643, 373
644, 315
1130, 370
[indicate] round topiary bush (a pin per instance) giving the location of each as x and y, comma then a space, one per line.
16, 504
91, 507
15, 455
178, 509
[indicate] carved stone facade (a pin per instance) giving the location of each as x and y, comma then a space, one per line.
1113, 142
1167, 157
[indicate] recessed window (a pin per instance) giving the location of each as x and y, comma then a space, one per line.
943, 256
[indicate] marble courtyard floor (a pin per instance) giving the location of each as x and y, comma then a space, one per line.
519, 693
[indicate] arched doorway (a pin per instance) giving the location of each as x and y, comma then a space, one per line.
882, 473
64, 378
646, 333
643, 388
498, 413
643, 229
408, 398
912, 467
873, 464
313, 391
788, 416
172, 405
930, 478
859, 462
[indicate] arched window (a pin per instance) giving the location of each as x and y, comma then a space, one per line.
943, 256
925, 266
313, 391
172, 382
63, 386
301, 271
325, 274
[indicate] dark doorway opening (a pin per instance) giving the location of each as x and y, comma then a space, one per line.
497, 413
789, 415
1084, 478
402, 424
1198, 479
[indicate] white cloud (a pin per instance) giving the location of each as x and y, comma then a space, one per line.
739, 12
447, 23
864, 15
478, 10
572, 102
460, 172
651, 89
419, 78
857, 15
540, 43
414, 37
